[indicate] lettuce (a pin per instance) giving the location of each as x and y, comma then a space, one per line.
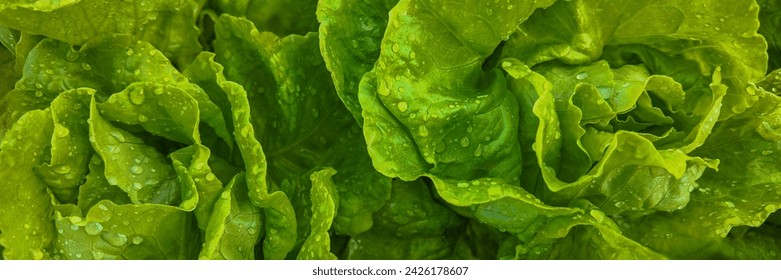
393, 129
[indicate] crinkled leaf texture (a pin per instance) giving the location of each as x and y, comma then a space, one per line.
603, 120
389, 129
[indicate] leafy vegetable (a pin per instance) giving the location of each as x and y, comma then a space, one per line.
390, 129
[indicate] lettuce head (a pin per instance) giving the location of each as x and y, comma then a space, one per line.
393, 129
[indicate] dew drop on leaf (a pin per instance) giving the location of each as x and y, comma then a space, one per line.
62, 169
93, 228
464, 142
115, 239
137, 96
97, 255
136, 169
423, 131
61, 131
402, 106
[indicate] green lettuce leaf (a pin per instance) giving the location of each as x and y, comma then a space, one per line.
350, 35
135, 167
769, 24
116, 232
96, 188
25, 236
108, 65
304, 124
325, 201
412, 225
618, 166
704, 32
743, 192
168, 25
278, 16
389, 129
234, 225
544, 231
12, 59
428, 106
70, 145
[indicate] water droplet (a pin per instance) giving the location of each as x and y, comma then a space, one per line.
93, 228
136, 169
117, 136
115, 239
129, 52
395, 47
26, 226
402, 106
137, 186
137, 96
62, 169
225, 195
86, 67
464, 142
159, 91
97, 255
61, 131
142, 118
423, 131
581, 76
479, 150
137, 240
